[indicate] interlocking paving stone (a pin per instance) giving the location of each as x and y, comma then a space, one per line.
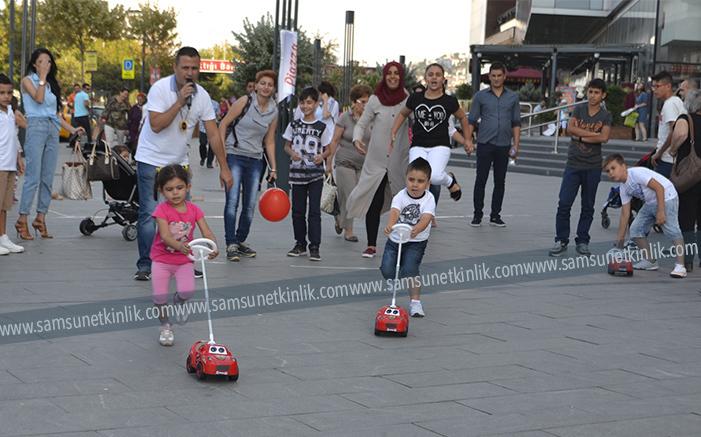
582, 355
679, 425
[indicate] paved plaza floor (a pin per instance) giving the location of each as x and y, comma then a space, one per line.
580, 354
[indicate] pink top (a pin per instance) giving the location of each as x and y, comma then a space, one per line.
181, 226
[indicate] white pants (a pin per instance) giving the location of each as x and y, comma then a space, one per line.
438, 157
115, 137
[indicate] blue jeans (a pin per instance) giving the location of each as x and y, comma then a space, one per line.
648, 214
412, 254
488, 154
246, 173
664, 168
572, 179
41, 155
146, 226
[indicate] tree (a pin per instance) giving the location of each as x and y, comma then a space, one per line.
78, 23
155, 29
255, 47
4, 36
463, 91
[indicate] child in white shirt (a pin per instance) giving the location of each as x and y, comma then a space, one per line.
661, 207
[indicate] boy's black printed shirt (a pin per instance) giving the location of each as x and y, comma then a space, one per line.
308, 140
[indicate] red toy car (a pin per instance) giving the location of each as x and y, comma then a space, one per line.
622, 268
392, 319
211, 359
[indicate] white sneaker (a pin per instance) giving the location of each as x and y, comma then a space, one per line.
415, 309
678, 272
644, 264
166, 338
9, 245
4, 251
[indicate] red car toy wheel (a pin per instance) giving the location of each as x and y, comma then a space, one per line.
200, 372
188, 365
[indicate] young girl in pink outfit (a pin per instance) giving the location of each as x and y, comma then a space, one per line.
176, 219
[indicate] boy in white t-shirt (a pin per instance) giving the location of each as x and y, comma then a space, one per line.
661, 207
415, 206
11, 163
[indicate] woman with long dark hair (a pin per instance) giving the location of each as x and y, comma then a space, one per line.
41, 96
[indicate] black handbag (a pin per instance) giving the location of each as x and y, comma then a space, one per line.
102, 166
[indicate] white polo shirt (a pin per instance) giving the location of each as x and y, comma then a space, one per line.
8, 141
169, 146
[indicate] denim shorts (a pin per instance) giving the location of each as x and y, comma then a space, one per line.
646, 218
412, 254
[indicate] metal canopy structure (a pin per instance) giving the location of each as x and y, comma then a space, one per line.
622, 59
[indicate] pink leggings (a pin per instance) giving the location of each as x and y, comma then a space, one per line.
184, 280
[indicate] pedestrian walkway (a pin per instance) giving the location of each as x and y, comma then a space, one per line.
536, 355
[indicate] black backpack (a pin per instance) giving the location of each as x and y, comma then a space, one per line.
232, 128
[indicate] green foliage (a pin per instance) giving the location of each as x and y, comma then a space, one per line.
78, 24
463, 91
4, 37
255, 49
529, 93
155, 28
615, 97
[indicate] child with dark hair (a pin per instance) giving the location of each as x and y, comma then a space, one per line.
307, 141
589, 127
414, 206
176, 219
11, 163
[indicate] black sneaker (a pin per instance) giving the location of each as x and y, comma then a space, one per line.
142, 276
232, 252
498, 222
246, 251
476, 222
314, 254
298, 250
198, 274
559, 249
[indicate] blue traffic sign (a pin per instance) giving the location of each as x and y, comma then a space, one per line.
128, 64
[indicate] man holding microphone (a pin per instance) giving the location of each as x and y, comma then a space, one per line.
176, 104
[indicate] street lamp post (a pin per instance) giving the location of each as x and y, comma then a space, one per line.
12, 40
143, 50
143, 62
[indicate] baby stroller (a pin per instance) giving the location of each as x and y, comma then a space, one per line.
120, 196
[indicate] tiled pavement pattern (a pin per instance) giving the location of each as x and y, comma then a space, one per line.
583, 356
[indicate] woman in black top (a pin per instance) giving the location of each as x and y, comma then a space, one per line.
430, 139
689, 200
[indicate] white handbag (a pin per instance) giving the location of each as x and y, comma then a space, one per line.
74, 177
328, 196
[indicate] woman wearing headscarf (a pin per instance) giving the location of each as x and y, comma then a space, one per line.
382, 175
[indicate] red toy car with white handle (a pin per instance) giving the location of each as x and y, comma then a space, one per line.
210, 359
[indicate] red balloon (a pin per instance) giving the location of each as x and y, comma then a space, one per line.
274, 204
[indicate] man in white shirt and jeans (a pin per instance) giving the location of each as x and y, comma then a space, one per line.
175, 106
672, 108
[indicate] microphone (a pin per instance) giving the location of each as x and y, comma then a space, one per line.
189, 98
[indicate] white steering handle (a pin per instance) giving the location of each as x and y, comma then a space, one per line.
201, 248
